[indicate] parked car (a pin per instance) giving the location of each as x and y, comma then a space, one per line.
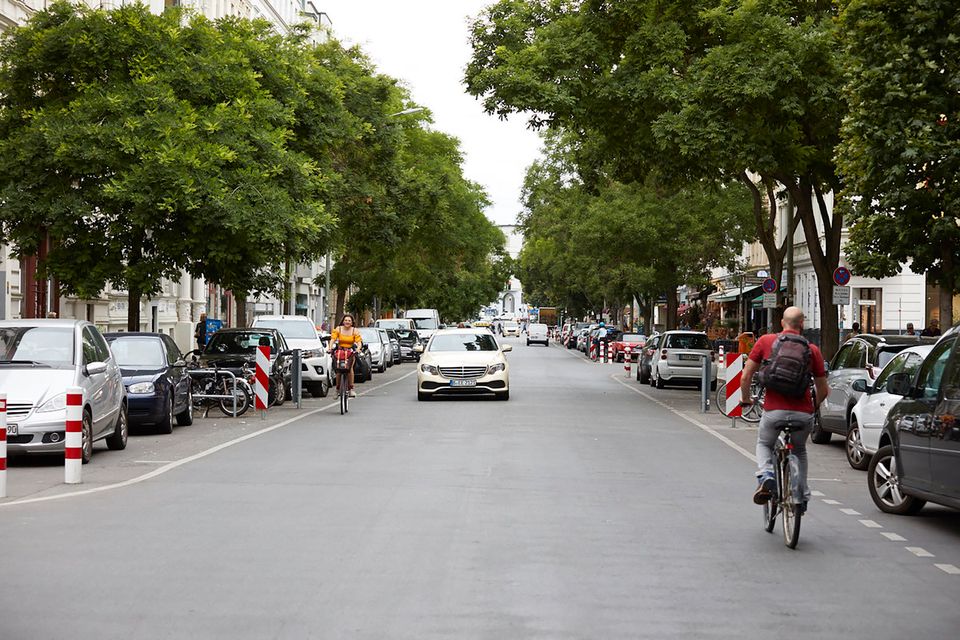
862, 356
387, 347
300, 333
155, 376
510, 329
232, 348
379, 352
870, 412
648, 352
680, 359
624, 340
395, 323
919, 456
583, 338
408, 339
538, 333
395, 344
40, 360
463, 361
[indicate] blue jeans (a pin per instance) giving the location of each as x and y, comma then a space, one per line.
767, 436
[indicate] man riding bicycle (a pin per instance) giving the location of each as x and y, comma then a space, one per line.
785, 361
346, 336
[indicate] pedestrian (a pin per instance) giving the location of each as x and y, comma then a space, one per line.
854, 330
52, 314
933, 329
200, 333
910, 329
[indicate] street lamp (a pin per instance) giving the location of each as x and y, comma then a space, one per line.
406, 112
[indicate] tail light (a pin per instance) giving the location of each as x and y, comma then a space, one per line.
663, 354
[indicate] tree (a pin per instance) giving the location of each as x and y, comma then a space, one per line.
901, 140
684, 90
142, 146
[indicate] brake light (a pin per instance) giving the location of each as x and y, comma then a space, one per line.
663, 354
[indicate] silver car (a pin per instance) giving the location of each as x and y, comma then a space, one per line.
41, 359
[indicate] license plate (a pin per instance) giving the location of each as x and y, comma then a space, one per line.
463, 383
12, 429
688, 356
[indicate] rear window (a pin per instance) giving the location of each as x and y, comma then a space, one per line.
538, 327
886, 354
632, 337
687, 341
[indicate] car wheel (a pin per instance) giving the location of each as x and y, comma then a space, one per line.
856, 455
659, 384
318, 390
528, 343
883, 480
818, 434
288, 393
117, 441
86, 430
166, 422
185, 417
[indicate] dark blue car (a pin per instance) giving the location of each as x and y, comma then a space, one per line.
155, 376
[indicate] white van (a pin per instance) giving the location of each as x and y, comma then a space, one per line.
426, 321
300, 333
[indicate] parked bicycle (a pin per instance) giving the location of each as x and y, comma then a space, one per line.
751, 413
225, 388
787, 498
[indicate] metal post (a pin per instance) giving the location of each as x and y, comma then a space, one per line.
705, 385
327, 308
297, 382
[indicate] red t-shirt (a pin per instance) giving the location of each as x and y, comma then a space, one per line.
772, 400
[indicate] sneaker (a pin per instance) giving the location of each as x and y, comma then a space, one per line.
764, 491
803, 507
352, 394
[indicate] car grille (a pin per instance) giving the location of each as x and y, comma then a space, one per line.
462, 372
17, 410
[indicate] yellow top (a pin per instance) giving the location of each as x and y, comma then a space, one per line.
345, 340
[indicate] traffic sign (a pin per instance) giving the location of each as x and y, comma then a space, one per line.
769, 285
769, 301
841, 276
841, 295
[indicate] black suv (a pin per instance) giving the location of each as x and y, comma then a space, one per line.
919, 456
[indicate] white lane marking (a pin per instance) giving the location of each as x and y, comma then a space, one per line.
894, 537
825, 480
203, 454
722, 438
850, 512
948, 568
825, 501
871, 524
817, 494
152, 461
920, 552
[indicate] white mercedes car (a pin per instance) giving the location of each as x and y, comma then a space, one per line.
463, 362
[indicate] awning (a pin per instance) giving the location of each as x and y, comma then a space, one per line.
732, 294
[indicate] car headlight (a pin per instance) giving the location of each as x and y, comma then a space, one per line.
493, 368
308, 353
429, 368
141, 387
56, 403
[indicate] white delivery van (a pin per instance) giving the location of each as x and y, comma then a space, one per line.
426, 321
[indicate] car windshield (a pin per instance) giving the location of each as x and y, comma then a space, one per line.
405, 335
369, 334
291, 329
425, 323
138, 352
237, 342
510, 325
52, 346
886, 355
687, 341
464, 342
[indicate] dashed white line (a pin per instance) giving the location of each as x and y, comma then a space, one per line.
817, 494
827, 501
948, 568
871, 524
920, 552
894, 537
850, 512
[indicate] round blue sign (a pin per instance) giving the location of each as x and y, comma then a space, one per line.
769, 285
841, 276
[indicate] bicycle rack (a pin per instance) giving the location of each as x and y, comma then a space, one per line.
203, 373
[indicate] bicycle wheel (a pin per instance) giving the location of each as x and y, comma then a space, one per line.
243, 399
790, 504
770, 514
344, 393
722, 400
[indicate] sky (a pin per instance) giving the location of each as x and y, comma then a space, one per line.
425, 44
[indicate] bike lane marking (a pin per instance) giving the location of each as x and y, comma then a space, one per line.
170, 466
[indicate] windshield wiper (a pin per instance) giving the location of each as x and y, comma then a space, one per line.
32, 363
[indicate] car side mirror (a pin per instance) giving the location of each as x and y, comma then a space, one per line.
180, 363
418, 348
288, 352
95, 368
507, 347
860, 385
899, 384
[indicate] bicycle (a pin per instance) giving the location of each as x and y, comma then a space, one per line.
213, 382
342, 361
787, 498
749, 413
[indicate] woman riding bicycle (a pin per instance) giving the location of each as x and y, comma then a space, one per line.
346, 336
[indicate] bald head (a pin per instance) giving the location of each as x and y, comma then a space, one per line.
792, 318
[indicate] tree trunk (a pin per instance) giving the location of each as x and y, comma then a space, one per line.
946, 287
133, 307
240, 297
672, 304
341, 300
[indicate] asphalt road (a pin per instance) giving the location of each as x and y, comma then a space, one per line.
585, 507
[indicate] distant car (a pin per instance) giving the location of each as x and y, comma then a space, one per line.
40, 360
395, 323
679, 359
648, 353
388, 346
583, 338
155, 375
538, 333
920, 443
233, 348
862, 356
301, 333
463, 361
870, 412
379, 352
408, 339
624, 340
510, 329
395, 344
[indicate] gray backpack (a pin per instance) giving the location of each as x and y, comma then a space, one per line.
788, 370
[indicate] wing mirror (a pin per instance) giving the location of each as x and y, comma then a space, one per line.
860, 385
899, 384
418, 348
507, 347
95, 368
180, 363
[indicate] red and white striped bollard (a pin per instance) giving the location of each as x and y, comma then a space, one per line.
261, 387
627, 359
73, 442
3, 445
733, 375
